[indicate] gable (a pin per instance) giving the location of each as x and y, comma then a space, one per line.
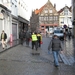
65, 10
47, 8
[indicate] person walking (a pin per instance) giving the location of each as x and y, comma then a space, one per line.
69, 34
39, 37
3, 39
28, 36
34, 40
56, 46
21, 36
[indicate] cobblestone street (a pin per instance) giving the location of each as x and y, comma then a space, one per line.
19, 61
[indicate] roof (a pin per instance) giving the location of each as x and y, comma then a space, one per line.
37, 11
64, 8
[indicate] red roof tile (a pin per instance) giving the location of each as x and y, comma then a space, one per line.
37, 11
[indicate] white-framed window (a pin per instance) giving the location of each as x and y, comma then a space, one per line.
66, 12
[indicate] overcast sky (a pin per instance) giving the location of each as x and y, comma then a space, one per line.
34, 4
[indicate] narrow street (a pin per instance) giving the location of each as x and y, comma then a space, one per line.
19, 61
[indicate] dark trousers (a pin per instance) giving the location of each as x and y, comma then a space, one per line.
21, 41
34, 44
27, 41
38, 42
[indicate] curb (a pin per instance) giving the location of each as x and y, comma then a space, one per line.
9, 48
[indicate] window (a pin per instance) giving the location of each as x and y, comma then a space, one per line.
44, 18
55, 18
4, 1
15, 5
50, 18
50, 11
47, 18
46, 11
42, 14
41, 18
66, 12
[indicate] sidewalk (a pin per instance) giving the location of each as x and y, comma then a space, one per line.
9, 45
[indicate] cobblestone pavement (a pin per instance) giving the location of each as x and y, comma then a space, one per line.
19, 61
69, 49
68, 55
9, 45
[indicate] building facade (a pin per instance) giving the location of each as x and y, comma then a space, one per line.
12, 18
47, 17
14, 15
22, 12
5, 18
65, 17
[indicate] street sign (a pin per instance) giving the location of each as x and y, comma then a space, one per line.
65, 26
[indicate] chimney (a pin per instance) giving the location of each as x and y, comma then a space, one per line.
55, 6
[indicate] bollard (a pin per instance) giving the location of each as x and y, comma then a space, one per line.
11, 38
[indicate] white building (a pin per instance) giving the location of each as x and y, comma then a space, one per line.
12, 17
5, 18
22, 12
65, 16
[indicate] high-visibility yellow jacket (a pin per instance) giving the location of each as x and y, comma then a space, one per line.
34, 37
40, 36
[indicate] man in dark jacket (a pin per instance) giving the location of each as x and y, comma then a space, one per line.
21, 36
28, 36
3, 39
56, 46
39, 37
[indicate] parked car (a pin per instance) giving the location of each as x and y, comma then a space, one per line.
59, 33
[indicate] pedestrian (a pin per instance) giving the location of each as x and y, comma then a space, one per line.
56, 46
34, 40
46, 34
69, 34
39, 37
65, 36
21, 36
24, 35
3, 39
28, 36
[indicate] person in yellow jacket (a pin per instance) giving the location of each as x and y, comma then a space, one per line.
39, 36
34, 40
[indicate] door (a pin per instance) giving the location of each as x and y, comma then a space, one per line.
14, 31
